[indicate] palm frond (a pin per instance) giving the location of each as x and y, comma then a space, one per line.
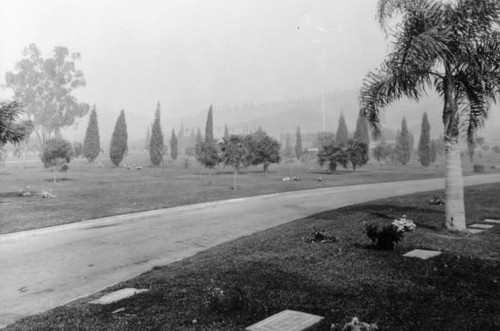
10, 131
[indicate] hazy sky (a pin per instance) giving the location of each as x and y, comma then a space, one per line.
191, 53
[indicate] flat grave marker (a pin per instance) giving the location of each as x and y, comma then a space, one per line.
287, 320
422, 254
117, 296
474, 231
481, 226
492, 221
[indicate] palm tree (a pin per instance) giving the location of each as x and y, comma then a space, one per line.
10, 131
452, 47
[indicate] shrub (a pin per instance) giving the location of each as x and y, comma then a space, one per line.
388, 236
223, 299
56, 154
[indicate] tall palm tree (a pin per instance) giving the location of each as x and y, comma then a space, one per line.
10, 131
452, 46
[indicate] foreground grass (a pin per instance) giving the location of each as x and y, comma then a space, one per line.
277, 269
89, 192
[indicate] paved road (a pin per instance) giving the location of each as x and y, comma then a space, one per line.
45, 268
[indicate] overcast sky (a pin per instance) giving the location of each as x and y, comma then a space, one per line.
192, 53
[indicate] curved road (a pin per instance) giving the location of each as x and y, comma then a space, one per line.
45, 268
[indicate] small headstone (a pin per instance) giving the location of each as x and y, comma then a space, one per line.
422, 254
287, 320
117, 296
474, 231
492, 221
481, 226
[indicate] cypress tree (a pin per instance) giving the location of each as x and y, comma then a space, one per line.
424, 144
433, 151
198, 136
181, 141
342, 135
361, 134
209, 127
403, 149
156, 147
173, 146
298, 143
226, 132
148, 139
119, 140
288, 149
91, 144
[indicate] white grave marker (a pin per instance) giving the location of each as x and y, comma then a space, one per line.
287, 320
117, 296
492, 221
474, 231
481, 226
422, 254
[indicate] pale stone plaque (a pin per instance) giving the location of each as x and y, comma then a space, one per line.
117, 296
287, 320
492, 221
474, 231
481, 226
422, 254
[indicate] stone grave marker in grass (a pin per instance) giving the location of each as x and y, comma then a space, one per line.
117, 296
422, 254
481, 226
474, 231
287, 320
492, 221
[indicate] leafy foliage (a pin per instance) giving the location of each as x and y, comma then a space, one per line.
263, 149
361, 134
156, 147
91, 143
353, 152
45, 87
235, 152
424, 143
56, 154
207, 155
119, 139
10, 130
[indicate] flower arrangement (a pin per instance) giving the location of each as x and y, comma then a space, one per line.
388, 236
438, 200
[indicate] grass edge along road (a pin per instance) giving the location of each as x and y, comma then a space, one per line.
233, 285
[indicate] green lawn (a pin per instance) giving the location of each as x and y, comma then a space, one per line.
277, 269
88, 191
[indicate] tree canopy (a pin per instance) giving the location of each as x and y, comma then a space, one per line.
264, 149
45, 88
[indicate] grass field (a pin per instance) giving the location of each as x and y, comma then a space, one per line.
277, 269
88, 191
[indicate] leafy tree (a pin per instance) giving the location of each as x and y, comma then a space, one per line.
156, 147
77, 149
324, 138
119, 140
453, 46
173, 146
10, 130
56, 154
209, 127
342, 135
45, 88
353, 152
433, 151
358, 153
361, 134
207, 155
264, 149
226, 132
91, 143
298, 144
403, 148
148, 140
234, 153
424, 144
381, 151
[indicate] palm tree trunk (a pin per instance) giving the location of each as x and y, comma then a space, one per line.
454, 187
